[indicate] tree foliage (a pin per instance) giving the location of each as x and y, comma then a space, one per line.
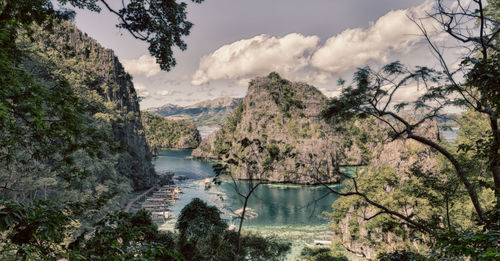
460, 199
60, 139
160, 23
45, 230
203, 235
166, 133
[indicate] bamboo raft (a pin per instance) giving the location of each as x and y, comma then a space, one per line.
160, 201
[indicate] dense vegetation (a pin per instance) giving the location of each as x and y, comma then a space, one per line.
449, 209
71, 141
282, 117
81, 150
164, 133
39, 232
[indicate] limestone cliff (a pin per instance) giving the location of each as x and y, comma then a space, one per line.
99, 79
283, 117
393, 169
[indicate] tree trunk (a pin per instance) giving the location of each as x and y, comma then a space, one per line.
238, 244
495, 162
458, 168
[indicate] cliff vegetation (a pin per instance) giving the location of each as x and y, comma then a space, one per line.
162, 133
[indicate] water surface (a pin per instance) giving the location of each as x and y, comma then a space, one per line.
274, 204
288, 211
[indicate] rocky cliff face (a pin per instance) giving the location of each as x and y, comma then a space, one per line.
97, 75
283, 118
205, 113
174, 134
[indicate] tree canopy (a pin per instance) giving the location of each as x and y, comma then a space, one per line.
463, 183
160, 23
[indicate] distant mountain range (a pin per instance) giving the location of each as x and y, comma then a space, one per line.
206, 113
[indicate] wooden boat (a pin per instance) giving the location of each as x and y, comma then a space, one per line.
208, 183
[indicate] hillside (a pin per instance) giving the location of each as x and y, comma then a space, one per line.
205, 113
108, 149
284, 117
163, 133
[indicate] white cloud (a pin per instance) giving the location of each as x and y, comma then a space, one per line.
330, 93
163, 93
393, 32
143, 66
408, 94
142, 91
256, 56
300, 57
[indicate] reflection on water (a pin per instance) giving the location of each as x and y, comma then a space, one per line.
282, 205
292, 211
276, 205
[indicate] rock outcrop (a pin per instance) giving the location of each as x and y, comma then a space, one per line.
284, 118
97, 75
393, 166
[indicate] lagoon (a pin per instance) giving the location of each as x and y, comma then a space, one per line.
275, 204
293, 212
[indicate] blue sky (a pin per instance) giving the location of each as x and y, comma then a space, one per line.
232, 41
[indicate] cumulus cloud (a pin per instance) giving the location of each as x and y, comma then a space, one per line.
143, 66
393, 32
300, 57
408, 94
259, 55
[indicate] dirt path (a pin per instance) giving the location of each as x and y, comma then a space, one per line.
132, 201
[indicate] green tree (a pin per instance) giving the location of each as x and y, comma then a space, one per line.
44, 230
55, 131
321, 254
124, 236
160, 23
474, 87
201, 232
203, 235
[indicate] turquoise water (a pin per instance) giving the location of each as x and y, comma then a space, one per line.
275, 205
288, 211
283, 205
449, 135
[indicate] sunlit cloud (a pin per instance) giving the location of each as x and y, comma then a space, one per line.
163, 93
142, 91
259, 55
392, 33
143, 66
300, 57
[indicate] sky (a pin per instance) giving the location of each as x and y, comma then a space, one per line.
233, 41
